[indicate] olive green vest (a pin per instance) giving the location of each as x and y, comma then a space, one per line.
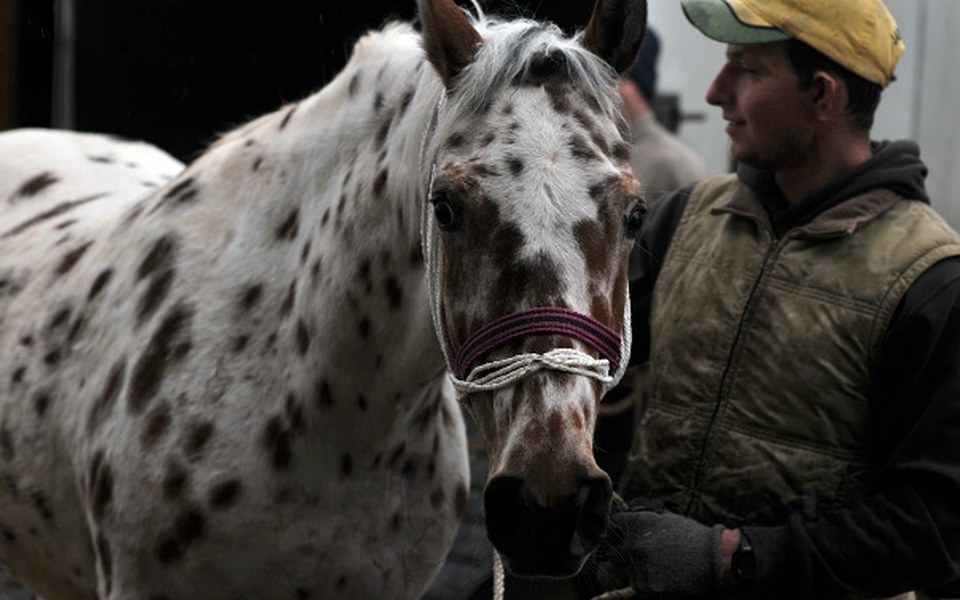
763, 349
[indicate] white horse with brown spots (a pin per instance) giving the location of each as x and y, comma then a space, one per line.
229, 384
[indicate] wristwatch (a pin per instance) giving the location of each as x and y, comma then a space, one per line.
743, 565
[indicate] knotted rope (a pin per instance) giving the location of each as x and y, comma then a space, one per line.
498, 374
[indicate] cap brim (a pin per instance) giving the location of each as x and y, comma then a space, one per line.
716, 19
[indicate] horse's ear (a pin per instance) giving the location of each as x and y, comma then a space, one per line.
450, 40
615, 31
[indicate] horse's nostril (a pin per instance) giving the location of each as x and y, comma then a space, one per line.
505, 501
543, 540
594, 512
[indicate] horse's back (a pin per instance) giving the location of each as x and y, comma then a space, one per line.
43, 167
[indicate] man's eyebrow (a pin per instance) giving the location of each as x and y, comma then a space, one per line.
735, 53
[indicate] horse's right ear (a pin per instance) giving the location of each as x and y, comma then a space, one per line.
615, 31
450, 40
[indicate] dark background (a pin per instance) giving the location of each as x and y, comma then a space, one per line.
177, 73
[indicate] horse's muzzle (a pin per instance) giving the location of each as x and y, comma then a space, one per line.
546, 541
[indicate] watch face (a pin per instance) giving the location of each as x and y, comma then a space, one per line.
742, 563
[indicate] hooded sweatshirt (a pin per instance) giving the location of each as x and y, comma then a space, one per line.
905, 532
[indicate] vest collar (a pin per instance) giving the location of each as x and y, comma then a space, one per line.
837, 221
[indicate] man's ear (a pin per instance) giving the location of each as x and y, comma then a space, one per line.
829, 95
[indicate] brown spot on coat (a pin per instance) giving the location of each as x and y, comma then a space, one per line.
405, 101
250, 297
456, 140
99, 283
594, 248
166, 348
59, 318
397, 454
56, 211
225, 494
102, 487
106, 399
580, 149
380, 183
286, 117
182, 193
196, 438
383, 132
158, 423
40, 403
188, 529
276, 440
303, 337
42, 504
158, 265
240, 342
175, 481
364, 327
35, 185
515, 165
394, 293
621, 151
324, 395
289, 300
70, 259
290, 226
52, 358
558, 95
154, 295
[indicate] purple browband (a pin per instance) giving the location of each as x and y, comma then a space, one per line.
537, 321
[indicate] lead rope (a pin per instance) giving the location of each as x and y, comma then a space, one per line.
498, 579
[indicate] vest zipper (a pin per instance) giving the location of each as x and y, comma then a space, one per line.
772, 257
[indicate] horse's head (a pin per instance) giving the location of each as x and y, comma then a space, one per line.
532, 209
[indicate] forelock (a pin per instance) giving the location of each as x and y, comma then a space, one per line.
516, 52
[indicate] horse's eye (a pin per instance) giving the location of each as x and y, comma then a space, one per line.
446, 210
634, 220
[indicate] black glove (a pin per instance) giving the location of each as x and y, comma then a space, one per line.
665, 552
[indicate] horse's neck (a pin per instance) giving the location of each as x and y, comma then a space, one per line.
338, 178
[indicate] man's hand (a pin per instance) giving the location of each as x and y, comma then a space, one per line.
667, 553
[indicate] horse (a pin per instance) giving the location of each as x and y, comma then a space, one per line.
243, 377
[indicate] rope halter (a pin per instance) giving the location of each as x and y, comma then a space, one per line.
468, 377
501, 373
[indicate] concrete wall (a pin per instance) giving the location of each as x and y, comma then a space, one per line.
921, 105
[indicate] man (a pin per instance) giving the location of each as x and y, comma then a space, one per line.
802, 323
660, 160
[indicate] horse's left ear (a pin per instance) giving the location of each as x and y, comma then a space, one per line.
615, 31
450, 40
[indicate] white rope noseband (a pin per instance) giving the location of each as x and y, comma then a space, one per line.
498, 374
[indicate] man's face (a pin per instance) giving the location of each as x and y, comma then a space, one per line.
769, 118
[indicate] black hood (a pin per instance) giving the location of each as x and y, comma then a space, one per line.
895, 166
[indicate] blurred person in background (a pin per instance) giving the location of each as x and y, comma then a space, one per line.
661, 161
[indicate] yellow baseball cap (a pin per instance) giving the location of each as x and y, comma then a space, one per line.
861, 35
